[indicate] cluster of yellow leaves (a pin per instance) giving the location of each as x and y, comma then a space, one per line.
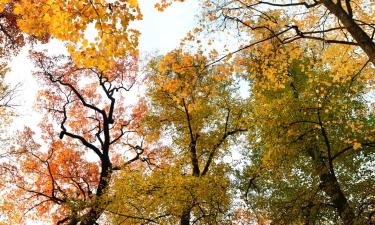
181, 84
192, 109
161, 196
308, 100
184, 78
257, 21
69, 21
300, 93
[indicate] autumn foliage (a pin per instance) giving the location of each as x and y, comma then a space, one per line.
276, 128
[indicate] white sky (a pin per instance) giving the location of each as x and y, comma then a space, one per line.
160, 32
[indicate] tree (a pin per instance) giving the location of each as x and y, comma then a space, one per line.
68, 191
313, 141
309, 126
61, 179
199, 109
341, 22
273, 31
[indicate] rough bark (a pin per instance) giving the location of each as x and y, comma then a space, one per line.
330, 185
99, 206
185, 217
186, 212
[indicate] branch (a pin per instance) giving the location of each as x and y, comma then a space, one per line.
71, 87
51, 198
138, 217
302, 34
290, 4
358, 73
122, 133
368, 144
248, 46
8, 96
216, 146
109, 95
138, 150
193, 142
9, 37
349, 8
329, 41
304, 121
78, 137
327, 143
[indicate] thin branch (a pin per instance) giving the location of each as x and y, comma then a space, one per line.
290, 4
216, 146
78, 137
138, 150
247, 46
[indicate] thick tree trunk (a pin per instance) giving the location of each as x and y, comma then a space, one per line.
186, 212
359, 35
330, 185
185, 217
98, 207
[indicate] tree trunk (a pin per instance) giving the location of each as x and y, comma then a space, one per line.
185, 217
330, 185
98, 207
359, 35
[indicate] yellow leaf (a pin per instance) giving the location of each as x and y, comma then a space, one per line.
133, 3
357, 145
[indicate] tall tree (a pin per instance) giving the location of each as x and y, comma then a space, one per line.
87, 111
60, 178
272, 30
200, 113
313, 142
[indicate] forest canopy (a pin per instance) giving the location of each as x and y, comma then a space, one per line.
263, 114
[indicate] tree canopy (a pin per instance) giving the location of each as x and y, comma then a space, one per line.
278, 127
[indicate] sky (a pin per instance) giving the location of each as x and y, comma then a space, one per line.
160, 32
